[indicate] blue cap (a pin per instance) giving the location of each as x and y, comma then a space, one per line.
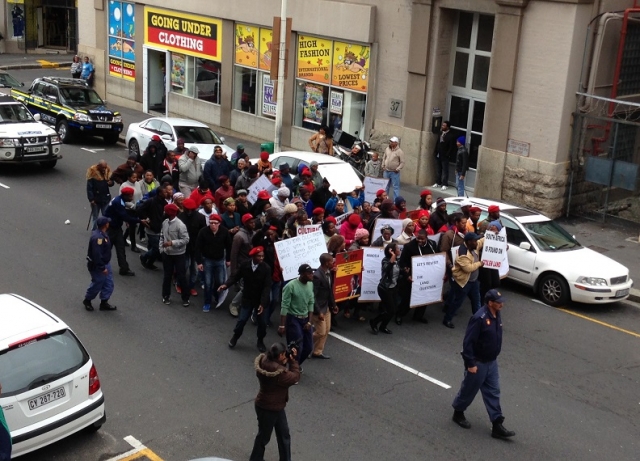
462, 140
493, 295
496, 223
102, 220
471, 236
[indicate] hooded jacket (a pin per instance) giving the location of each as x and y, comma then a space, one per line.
98, 185
275, 380
465, 264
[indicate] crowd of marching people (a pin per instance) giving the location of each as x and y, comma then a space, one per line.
197, 221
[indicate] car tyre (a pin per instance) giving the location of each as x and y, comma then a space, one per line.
553, 290
134, 148
111, 138
62, 127
49, 164
95, 427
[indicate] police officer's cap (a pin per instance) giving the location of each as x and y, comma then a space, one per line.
493, 295
102, 220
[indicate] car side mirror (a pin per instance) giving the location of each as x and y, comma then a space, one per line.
525, 245
167, 137
222, 139
37, 117
21, 84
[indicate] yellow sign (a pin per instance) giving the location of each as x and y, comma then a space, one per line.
349, 268
246, 42
266, 39
183, 33
314, 59
351, 66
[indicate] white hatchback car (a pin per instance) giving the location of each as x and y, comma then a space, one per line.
50, 386
170, 129
547, 258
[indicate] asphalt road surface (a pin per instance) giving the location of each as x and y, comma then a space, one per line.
569, 376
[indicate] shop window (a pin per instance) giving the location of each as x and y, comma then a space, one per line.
245, 89
182, 74
208, 77
311, 105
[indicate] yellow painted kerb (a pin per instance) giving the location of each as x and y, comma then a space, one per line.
48, 64
604, 324
142, 453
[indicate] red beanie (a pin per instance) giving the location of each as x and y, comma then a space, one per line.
354, 220
190, 204
127, 191
171, 210
264, 156
379, 193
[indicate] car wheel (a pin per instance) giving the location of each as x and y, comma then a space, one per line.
49, 164
95, 427
553, 290
62, 127
134, 148
111, 138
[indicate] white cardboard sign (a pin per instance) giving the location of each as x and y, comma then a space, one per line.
427, 273
303, 249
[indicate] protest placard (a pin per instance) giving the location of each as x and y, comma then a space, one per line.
427, 273
371, 273
396, 224
347, 283
504, 267
494, 249
303, 249
373, 185
342, 218
308, 229
262, 183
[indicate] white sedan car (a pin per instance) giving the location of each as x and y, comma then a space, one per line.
170, 129
342, 177
547, 258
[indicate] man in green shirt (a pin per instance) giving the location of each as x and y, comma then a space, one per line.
5, 436
296, 310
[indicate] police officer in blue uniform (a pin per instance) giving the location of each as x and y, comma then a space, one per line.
481, 347
99, 265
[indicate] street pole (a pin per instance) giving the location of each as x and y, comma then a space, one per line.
281, 61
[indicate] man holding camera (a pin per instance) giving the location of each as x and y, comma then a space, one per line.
277, 370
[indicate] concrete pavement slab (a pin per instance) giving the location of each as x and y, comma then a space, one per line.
34, 61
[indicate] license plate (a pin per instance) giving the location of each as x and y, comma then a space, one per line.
45, 399
102, 125
35, 149
621, 293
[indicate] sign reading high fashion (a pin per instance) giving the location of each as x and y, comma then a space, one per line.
314, 59
195, 35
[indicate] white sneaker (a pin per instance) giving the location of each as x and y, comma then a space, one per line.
435, 185
444, 187
233, 310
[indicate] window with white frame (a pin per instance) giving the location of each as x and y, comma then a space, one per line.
470, 77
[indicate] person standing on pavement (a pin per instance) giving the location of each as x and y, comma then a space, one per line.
256, 275
462, 164
88, 72
76, 67
117, 211
99, 265
324, 305
277, 371
213, 255
216, 167
123, 171
174, 238
392, 164
480, 349
190, 171
98, 183
464, 278
388, 289
240, 248
445, 150
373, 167
296, 310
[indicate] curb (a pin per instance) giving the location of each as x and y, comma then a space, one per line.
634, 295
51, 65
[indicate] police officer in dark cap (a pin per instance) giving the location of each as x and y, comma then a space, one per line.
99, 265
480, 349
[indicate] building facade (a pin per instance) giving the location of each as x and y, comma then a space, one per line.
504, 72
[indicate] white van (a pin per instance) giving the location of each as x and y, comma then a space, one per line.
50, 386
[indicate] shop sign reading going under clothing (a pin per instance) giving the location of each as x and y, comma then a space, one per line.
194, 35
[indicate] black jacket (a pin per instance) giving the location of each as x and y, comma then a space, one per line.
462, 160
98, 186
321, 196
257, 284
323, 292
213, 246
412, 249
153, 209
437, 220
195, 222
447, 147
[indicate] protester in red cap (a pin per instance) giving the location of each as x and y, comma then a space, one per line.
174, 238
240, 249
212, 255
426, 200
154, 156
207, 208
306, 182
276, 180
201, 192
195, 222
474, 213
494, 215
423, 223
349, 227
118, 211
318, 215
264, 163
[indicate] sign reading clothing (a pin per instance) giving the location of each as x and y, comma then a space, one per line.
122, 45
187, 33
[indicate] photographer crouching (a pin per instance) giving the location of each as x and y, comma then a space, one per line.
276, 370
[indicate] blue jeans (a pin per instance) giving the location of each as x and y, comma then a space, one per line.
191, 270
174, 264
96, 211
395, 182
153, 249
214, 272
487, 381
243, 317
100, 283
303, 338
457, 295
459, 185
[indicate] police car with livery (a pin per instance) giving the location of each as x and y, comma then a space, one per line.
71, 107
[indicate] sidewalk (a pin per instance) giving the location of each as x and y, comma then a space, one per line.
34, 61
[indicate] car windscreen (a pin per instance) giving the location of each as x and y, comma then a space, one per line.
550, 236
197, 135
80, 96
15, 113
8, 81
40, 361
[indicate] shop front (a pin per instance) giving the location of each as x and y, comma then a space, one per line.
41, 24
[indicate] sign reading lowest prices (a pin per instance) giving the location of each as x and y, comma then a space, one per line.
303, 249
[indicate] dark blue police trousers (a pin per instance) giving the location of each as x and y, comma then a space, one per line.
487, 381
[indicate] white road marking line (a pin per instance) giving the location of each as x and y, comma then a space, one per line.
135, 443
4, 185
391, 361
89, 150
